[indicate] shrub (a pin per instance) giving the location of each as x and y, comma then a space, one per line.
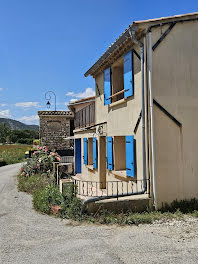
44, 198
2, 162
185, 206
32, 183
72, 205
42, 161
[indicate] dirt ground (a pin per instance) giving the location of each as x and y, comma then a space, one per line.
29, 237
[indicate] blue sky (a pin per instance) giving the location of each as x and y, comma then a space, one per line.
50, 44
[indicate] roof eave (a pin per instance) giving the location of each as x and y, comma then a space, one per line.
109, 51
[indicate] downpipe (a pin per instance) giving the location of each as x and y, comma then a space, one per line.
96, 199
152, 118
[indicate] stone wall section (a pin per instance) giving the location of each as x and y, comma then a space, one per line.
54, 128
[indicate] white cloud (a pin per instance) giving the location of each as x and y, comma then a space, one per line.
27, 104
1, 89
72, 100
66, 103
5, 113
3, 105
29, 119
87, 93
70, 94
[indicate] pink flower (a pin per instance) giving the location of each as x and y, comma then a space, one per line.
27, 174
58, 158
23, 173
37, 165
33, 174
32, 167
21, 169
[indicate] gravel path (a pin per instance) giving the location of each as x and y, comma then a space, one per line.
29, 237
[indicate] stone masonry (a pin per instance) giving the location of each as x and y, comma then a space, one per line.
55, 126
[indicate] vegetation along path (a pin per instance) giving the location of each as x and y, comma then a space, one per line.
29, 237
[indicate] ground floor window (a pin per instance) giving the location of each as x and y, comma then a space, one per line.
121, 154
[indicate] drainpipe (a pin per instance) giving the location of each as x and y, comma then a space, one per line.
151, 117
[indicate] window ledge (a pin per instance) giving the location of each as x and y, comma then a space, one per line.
121, 175
90, 167
122, 101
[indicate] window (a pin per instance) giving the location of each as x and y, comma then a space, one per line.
119, 79
121, 155
91, 152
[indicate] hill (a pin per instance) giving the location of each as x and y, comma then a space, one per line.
16, 125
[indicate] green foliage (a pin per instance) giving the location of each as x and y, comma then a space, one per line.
185, 206
33, 183
44, 198
72, 205
10, 154
42, 161
4, 132
17, 136
2, 162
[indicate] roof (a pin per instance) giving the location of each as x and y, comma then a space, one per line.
55, 113
126, 35
83, 100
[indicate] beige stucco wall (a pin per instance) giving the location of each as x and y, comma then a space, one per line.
121, 120
175, 87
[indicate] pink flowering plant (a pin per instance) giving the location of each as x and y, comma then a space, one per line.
41, 161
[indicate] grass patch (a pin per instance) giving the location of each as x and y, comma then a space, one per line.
11, 154
32, 183
45, 194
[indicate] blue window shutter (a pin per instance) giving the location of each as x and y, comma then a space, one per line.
128, 74
85, 151
130, 156
95, 153
110, 153
107, 86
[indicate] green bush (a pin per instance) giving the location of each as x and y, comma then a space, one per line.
32, 183
2, 162
72, 205
27, 141
44, 198
185, 206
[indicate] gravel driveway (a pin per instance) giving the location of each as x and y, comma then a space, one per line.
29, 237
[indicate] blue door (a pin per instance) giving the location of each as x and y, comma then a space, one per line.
78, 155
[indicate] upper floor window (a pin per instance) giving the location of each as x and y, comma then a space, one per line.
119, 79
85, 117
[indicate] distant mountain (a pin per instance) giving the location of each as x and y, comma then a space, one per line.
16, 125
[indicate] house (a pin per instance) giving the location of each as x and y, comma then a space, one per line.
55, 127
144, 138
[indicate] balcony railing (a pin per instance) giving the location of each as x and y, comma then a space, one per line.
85, 117
111, 188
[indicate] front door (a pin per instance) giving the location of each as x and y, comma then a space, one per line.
77, 155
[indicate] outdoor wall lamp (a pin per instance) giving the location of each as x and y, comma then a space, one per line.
48, 98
